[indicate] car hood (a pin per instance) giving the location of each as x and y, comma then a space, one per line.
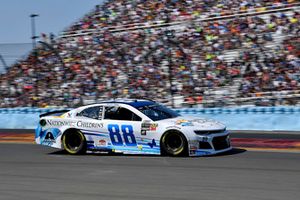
194, 123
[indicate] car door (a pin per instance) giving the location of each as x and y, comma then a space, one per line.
89, 121
123, 126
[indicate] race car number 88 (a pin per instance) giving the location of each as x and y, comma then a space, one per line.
116, 138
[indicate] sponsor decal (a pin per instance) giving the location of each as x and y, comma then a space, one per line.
153, 127
79, 124
152, 144
146, 126
193, 145
100, 112
102, 143
173, 127
202, 121
149, 126
60, 123
43, 122
49, 136
82, 124
192, 152
49, 139
183, 122
140, 147
143, 132
193, 148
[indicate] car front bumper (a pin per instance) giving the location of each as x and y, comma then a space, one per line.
210, 144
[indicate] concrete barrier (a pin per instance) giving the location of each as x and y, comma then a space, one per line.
239, 118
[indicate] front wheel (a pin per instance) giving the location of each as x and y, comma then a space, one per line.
74, 142
174, 143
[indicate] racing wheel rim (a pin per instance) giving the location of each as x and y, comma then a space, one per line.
74, 142
173, 143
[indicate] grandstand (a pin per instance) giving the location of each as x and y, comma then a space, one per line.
185, 53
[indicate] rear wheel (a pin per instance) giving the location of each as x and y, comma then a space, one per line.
74, 142
174, 143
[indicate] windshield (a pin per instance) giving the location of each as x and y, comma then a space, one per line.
158, 112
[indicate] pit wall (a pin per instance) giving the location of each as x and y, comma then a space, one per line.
239, 118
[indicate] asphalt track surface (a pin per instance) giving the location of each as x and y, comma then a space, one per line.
34, 172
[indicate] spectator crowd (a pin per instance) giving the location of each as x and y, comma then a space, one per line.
246, 55
119, 13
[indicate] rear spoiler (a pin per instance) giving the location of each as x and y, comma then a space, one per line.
55, 113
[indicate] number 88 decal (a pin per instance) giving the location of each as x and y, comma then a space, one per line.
116, 138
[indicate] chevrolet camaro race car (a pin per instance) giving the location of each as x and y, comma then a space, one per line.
131, 127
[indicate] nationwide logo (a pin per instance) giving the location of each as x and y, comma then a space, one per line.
79, 124
60, 123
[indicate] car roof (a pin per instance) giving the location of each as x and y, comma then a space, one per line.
136, 103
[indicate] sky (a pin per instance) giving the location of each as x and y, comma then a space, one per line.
54, 16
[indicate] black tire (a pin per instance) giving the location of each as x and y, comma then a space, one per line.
74, 142
174, 143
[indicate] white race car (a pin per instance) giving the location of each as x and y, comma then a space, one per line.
131, 127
